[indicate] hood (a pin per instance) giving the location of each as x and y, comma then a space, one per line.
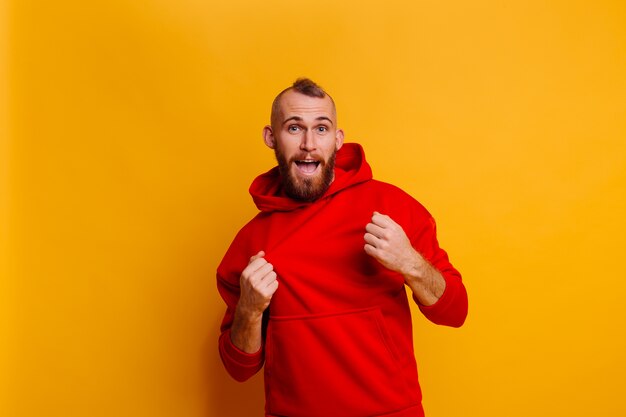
350, 168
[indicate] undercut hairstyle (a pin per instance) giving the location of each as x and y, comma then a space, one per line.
303, 86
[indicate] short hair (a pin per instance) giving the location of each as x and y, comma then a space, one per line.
304, 86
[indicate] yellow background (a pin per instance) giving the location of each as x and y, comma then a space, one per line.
130, 131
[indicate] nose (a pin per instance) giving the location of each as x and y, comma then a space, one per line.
308, 141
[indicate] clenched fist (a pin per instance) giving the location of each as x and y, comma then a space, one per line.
258, 284
386, 241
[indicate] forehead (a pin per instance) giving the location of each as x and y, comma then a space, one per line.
293, 103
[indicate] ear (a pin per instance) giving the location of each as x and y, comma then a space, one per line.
268, 137
338, 139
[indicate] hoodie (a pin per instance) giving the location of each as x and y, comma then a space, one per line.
337, 334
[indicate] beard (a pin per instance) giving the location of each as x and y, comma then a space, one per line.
306, 189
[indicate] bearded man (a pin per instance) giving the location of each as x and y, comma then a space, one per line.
315, 283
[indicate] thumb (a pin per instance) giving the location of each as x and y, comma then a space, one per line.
260, 254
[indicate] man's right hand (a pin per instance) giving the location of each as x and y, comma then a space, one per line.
258, 284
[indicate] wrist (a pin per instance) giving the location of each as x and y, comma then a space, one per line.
415, 269
425, 281
248, 315
245, 332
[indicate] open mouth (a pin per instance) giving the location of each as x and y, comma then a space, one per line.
307, 166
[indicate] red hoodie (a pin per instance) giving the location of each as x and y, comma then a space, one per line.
338, 334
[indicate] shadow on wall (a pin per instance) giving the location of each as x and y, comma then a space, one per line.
229, 398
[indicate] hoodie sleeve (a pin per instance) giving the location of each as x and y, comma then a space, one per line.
451, 308
240, 365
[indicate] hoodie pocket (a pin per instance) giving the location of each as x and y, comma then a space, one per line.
333, 365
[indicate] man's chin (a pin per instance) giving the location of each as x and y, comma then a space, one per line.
306, 188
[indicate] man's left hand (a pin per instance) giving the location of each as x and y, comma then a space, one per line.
387, 242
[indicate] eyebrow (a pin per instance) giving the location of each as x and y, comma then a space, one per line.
299, 119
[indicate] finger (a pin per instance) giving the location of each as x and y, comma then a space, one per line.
370, 250
379, 255
370, 239
382, 220
258, 281
259, 254
254, 266
267, 285
261, 272
376, 230
272, 287
268, 278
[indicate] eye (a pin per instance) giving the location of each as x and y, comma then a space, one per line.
293, 128
322, 129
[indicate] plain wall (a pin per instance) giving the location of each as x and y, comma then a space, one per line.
133, 130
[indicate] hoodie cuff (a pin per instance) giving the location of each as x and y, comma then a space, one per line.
437, 312
450, 309
233, 354
440, 305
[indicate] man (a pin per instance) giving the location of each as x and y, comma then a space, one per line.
314, 284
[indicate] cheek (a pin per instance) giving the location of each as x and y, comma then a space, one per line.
329, 149
286, 147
